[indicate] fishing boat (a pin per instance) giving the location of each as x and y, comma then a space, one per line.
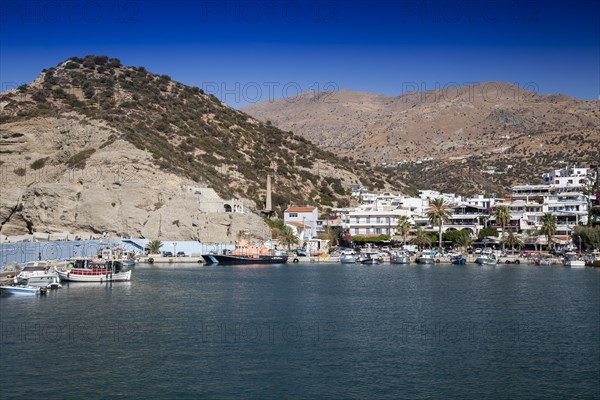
38, 274
348, 257
486, 259
21, 290
572, 260
93, 270
425, 258
369, 256
459, 260
246, 252
399, 257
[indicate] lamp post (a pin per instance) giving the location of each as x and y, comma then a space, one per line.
174, 244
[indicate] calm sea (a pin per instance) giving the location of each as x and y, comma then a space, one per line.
309, 331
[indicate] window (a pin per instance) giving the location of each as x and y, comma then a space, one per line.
368, 230
356, 231
368, 220
378, 220
358, 220
293, 215
378, 231
387, 220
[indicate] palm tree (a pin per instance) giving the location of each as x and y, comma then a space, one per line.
438, 213
549, 226
512, 240
533, 236
154, 246
287, 237
502, 215
464, 241
403, 226
421, 239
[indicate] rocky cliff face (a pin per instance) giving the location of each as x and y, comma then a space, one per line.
94, 146
119, 190
447, 139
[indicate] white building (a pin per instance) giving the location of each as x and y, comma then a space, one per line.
302, 220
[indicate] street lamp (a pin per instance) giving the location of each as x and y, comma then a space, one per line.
174, 244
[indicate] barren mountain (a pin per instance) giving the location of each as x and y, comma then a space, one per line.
466, 139
94, 146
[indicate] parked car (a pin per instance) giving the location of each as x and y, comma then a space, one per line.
180, 254
167, 254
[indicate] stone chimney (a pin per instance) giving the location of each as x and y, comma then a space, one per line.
268, 205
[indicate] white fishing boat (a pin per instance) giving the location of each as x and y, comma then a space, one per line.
348, 257
20, 290
425, 258
572, 260
369, 255
486, 259
93, 270
399, 257
38, 274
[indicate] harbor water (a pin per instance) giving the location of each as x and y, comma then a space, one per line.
309, 331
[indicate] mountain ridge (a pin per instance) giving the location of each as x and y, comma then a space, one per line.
486, 126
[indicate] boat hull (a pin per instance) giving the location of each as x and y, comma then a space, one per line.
20, 291
421, 260
574, 264
347, 260
88, 276
399, 260
484, 261
239, 260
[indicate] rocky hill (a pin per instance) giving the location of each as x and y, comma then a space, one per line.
95, 146
478, 138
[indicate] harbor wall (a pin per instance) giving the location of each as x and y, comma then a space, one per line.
22, 252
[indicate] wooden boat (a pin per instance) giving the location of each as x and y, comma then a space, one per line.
93, 270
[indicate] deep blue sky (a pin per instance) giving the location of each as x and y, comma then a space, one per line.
248, 50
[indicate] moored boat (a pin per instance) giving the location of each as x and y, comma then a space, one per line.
246, 252
459, 260
38, 274
572, 260
348, 258
399, 257
93, 270
369, 256
425, 258
593, 260
486, 259
21, 290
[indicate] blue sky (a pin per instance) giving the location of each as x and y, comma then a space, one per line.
245, 51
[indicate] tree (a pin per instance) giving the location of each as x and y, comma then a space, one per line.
421, 239
154, 246
403, 227
454, 236
464, 241
588, 238
549, 226
502, 215
533, 236
287, 237
438, 213
485, 232
512, 240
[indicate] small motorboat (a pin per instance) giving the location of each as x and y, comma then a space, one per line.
38, 274
348, 258
572, 260
369, 256
399, 257
22, 290
459, 260
425, 258
486, 259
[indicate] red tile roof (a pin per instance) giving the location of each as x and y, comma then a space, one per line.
300, 209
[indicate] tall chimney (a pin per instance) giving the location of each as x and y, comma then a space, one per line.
268, 205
